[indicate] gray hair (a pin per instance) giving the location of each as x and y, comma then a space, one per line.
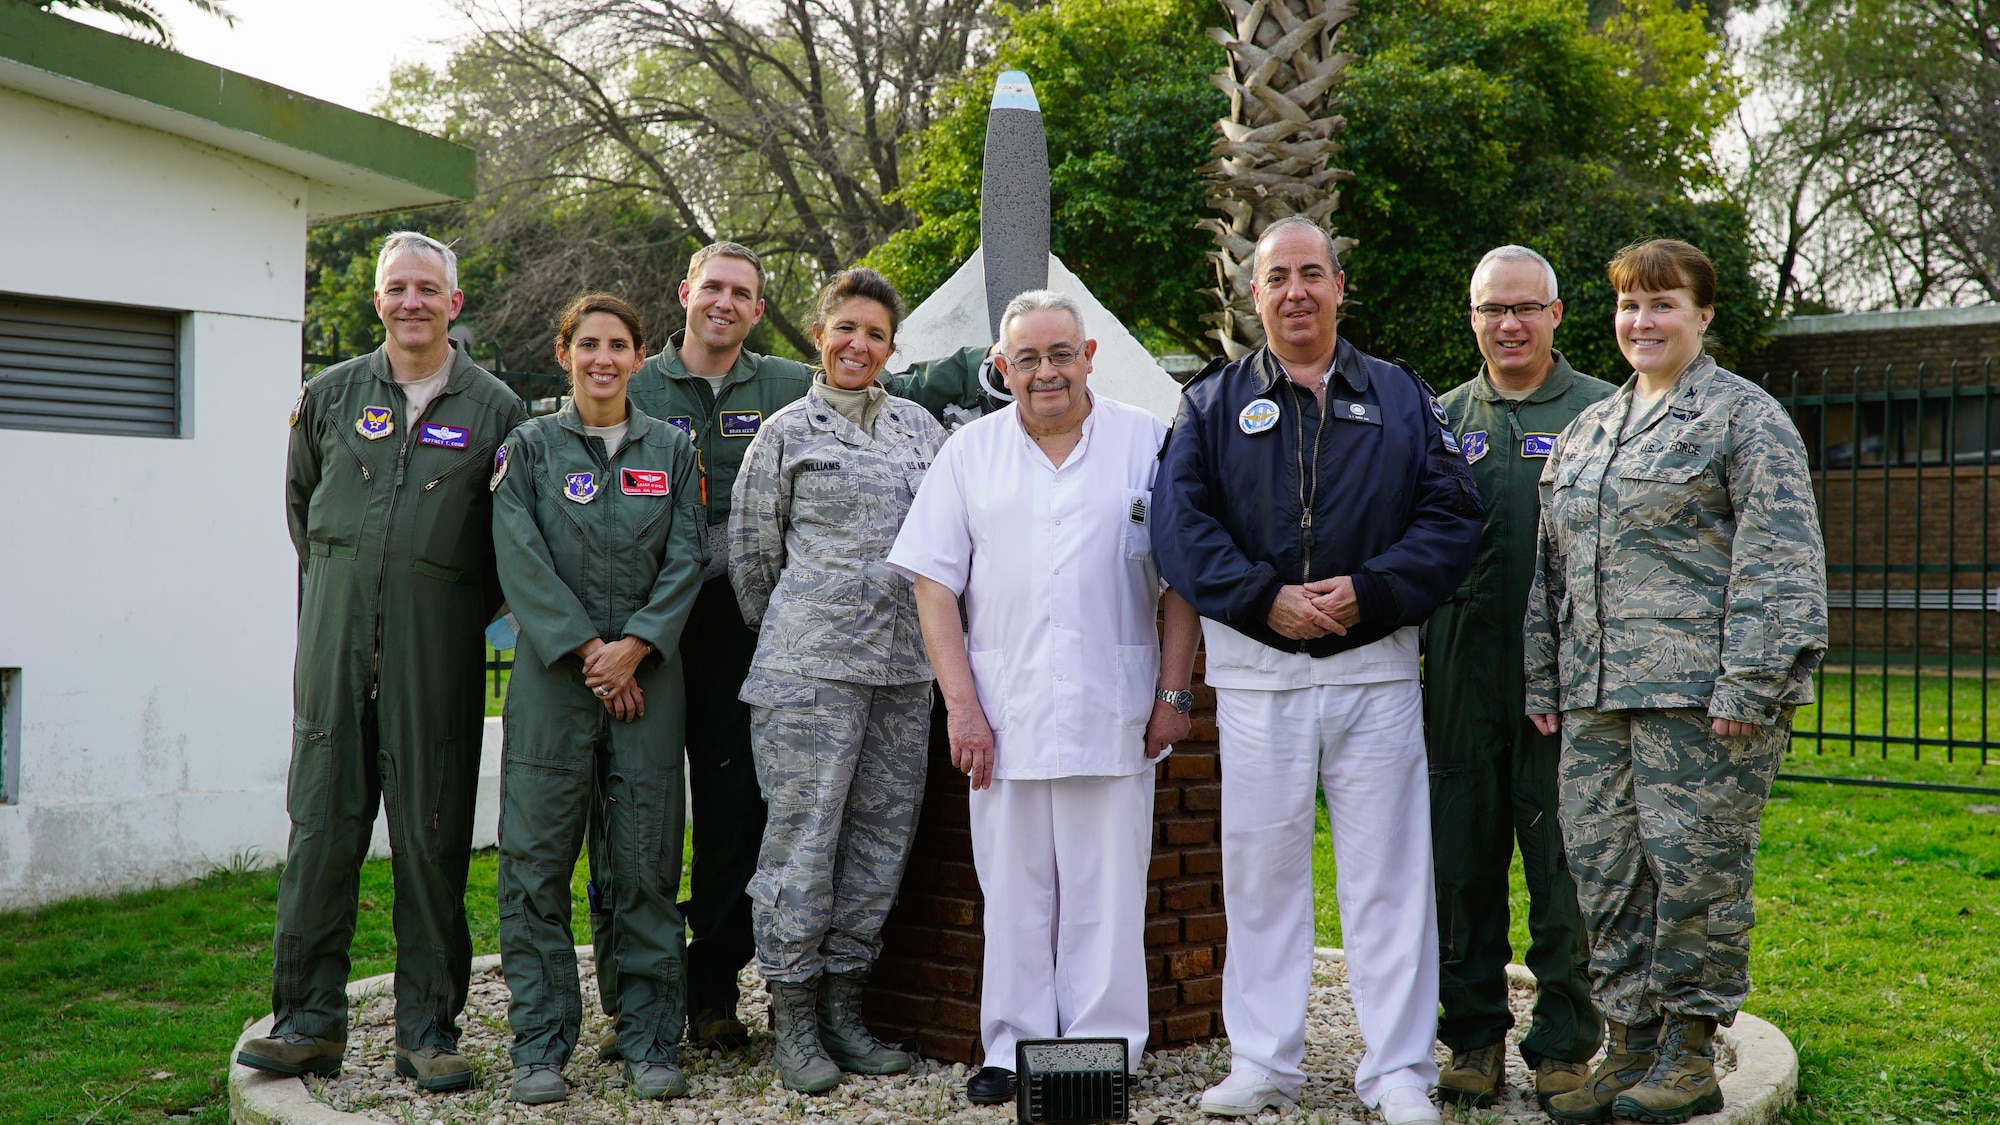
1290, 222
1040, 300
1513, 253
423, 245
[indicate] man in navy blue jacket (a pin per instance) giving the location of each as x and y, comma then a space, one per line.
1315, 509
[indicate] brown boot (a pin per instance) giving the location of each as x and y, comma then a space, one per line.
1557, 1076
1473, 1078
1682, 1080
292, 1053
1627, 1058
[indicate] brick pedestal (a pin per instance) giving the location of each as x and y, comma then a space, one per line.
925, 989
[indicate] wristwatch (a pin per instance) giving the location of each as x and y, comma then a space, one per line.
1181, 701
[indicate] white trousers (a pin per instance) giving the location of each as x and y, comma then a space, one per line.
1062, 864
1365, 745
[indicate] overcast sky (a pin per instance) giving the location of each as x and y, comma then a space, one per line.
339, 50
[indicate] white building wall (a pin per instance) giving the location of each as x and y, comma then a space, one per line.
147, 585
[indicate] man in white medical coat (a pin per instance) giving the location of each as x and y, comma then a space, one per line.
1061, 696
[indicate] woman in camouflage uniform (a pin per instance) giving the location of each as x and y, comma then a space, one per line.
1677, 614
840, 689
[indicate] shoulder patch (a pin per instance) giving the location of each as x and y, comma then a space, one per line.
298, 404
499, 468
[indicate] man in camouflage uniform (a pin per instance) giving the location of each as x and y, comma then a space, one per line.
1677, 614
1492, 774
721, 394
840, 701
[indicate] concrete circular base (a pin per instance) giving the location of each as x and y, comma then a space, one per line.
1756, 1092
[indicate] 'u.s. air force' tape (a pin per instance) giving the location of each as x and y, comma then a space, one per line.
1259, 416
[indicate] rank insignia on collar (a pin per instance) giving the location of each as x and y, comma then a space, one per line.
580, 487
1538, 445
643, 482
683, 423
1437, 411
1474, 445
375, 423
741, 423
1450, 442
298, 404
499, 469
1259, 416
447, 437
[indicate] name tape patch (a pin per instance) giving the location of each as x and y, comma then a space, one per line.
741, 423
446, 437
1357, 411
643, 482
1538, 445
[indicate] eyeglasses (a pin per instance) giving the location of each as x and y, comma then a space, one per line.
1523, 312
1029, 364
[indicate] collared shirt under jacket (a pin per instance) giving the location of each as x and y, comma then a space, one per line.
1260, 489
1056, 569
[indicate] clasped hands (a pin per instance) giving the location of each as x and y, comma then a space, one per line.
1315, 609
608, 671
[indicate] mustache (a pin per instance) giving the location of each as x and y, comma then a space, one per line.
1054, 383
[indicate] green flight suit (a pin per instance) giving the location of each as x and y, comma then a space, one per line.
722, 776
1493, 776
392, 527
594, 546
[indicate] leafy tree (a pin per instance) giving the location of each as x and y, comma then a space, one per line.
1128, 108
1473, 124
143, 17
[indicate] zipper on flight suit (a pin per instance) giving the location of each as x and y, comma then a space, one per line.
1308, 496
388, 530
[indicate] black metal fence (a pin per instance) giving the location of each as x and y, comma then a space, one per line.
1902, 461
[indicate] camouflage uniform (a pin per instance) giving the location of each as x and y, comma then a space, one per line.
840, 689
1681, 578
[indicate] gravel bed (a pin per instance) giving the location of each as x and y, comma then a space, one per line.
740, 1086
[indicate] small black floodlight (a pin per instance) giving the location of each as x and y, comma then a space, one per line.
1072, 1080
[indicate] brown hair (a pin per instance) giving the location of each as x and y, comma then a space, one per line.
1660, 264
572, 318
727, 250
859, 282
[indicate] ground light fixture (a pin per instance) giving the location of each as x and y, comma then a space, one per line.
1072, 1080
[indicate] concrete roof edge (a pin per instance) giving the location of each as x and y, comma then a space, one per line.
386, 165
1887, 319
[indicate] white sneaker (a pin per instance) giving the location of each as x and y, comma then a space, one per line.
1407, 1105
1242, 1094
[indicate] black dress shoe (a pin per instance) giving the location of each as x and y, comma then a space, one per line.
993, 1085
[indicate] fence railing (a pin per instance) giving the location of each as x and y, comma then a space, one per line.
1902, 461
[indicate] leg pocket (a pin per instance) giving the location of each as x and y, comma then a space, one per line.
309, 784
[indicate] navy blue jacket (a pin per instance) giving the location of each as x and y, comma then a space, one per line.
1394, 505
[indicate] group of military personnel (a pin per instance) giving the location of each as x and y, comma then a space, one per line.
1313, 504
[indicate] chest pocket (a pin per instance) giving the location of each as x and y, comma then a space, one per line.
454, 516
1138, 527
1666, 471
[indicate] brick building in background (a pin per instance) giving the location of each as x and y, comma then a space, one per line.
1898, 414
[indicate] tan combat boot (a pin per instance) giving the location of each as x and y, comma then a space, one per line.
1627, 1058
1557, 1076
1473, 1078
1682, 1080
435, 1068
800, 1058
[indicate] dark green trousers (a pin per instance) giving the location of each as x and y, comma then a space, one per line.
340, 775
565, 755
1485, 799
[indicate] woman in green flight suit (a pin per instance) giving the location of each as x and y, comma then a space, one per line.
597, 528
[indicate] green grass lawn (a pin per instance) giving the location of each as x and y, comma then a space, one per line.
1877, 948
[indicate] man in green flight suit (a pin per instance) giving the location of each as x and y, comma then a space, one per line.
387, 498
1493, 776
719, 393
